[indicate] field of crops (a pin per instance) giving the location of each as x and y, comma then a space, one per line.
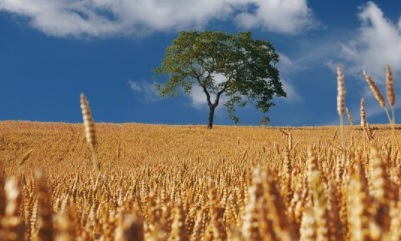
158, 182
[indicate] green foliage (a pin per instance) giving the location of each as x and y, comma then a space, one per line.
247, 65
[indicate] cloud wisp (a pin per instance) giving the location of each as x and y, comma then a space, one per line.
377, 43
104, 18
145, 90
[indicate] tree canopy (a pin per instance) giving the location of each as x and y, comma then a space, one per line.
246, 68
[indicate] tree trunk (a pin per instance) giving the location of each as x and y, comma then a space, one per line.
211, 115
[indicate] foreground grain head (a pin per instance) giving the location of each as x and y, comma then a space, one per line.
380, 191
251, 228
216, 214
130, 227
12, 225
359, 203
65, 226
178, 231
45, 219
319, 199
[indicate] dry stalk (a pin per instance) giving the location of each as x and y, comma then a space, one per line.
308, 224
320, 202
289, 139
12, 224
251, 228
380, 189
341, 102
286, 174
376, 92
349, 117
46, 229
2, 193
368, 132
178, 230
390, 91
391, 98
198, 229
90, 132
363, 115
130, 227
276, 210
65, 226
359, 202
216, 214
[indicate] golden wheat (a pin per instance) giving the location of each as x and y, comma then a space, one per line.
390, 90
363, 114
350, 120
341, 101
163, 190
90, 132
376, 92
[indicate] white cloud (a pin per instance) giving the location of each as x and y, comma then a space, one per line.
146, 90
292, 95
285, 16
377, 43
99, 18
198, 97
285, 61
286, 66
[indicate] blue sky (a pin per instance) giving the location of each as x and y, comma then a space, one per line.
52, 50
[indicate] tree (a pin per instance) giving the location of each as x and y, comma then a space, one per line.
247, 67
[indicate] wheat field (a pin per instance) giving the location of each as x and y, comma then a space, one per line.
159, 182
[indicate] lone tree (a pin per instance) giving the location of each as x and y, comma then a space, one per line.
231, 64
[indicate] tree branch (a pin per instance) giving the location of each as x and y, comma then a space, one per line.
209, 102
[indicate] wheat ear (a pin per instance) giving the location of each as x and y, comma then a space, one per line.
363, 114
390, 91
89, 129
350, 120
376, 92
341, 101
12, 224
46, 230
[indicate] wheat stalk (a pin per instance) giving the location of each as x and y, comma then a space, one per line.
251, 228
65, 226
12, 224
363, 114
46, 230
130, 227
308, 223
178, 231
390, 91
391, 98
276, 210
341, 101
358, 204
90, 132
376, 92
216, 213
350, 120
